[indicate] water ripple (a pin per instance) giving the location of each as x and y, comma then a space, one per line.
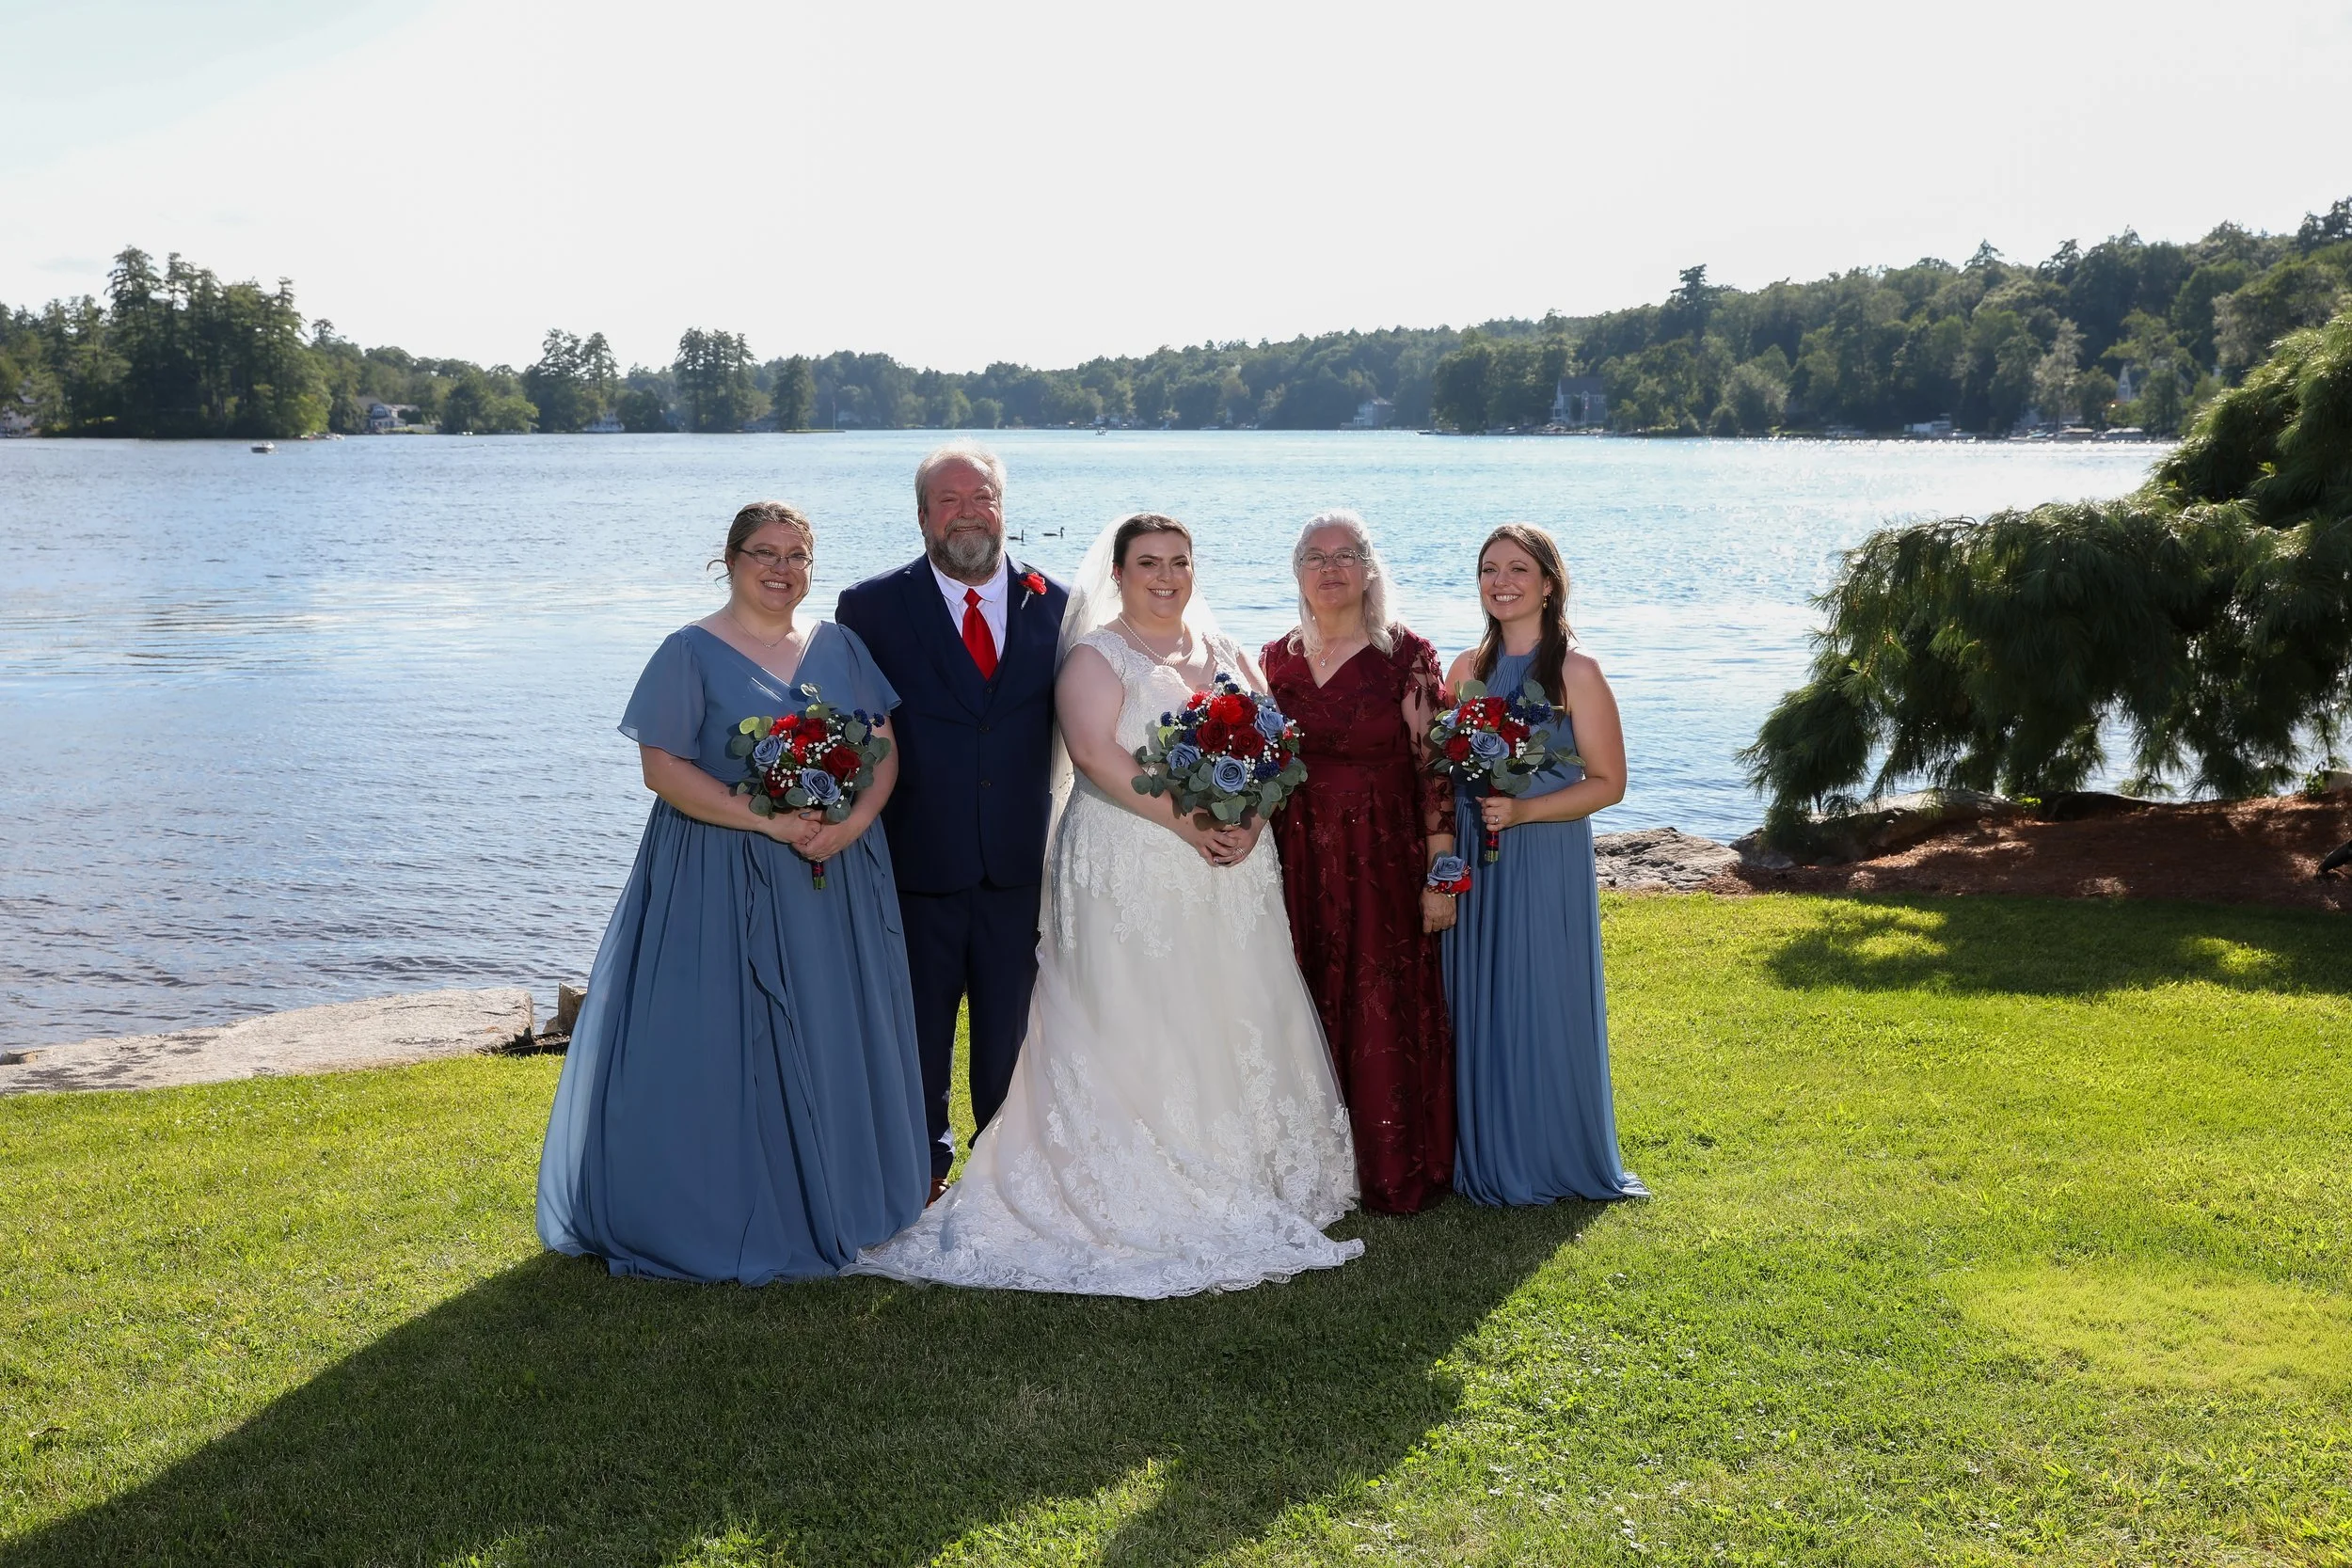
298, 728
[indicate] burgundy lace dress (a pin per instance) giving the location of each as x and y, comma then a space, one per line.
1355, 854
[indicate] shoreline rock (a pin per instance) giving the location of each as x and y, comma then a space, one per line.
384, 1031
1659, 860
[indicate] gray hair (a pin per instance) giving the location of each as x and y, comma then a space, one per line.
973, 453
1376, 628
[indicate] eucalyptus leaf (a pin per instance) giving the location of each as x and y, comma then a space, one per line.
762, 806
748, 725
882, 743
1470, 691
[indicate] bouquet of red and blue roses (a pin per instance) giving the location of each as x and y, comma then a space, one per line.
820, 759
1229, 756
1495, 745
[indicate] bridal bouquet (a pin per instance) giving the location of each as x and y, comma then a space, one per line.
1229, 756
1495, 745
818, 759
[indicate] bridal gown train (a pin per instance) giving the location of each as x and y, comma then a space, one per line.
1173, 1124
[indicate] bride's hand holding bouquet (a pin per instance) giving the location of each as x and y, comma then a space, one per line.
1225, 762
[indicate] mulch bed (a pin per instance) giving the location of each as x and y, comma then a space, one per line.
2223, 852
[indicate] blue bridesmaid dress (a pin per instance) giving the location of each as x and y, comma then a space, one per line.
1531, 1020
742, 1099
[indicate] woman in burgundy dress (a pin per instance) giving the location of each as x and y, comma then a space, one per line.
1356, 842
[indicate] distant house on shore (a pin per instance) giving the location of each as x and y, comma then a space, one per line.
2127, 386
1580, 401
1373, 414
15, 419
1934, 429
609, 423
385, 417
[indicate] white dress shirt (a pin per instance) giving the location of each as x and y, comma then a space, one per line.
992, 600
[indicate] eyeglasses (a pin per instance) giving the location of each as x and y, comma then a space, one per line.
799, 561
1346, 560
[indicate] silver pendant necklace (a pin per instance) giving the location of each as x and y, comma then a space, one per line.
1183, 642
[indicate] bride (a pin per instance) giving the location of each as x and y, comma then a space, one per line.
1173, 1124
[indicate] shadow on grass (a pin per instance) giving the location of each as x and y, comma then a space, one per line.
552, 1415
2061, 947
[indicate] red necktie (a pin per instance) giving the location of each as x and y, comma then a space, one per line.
976, 635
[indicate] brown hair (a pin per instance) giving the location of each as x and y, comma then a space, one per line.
756, 517
1551, 652
1136, 525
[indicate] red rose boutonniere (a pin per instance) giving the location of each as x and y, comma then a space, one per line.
1033, 582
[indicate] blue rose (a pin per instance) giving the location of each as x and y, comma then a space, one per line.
820, 786
1230, 774
1488, 746
1183, 757
1448, 868
1270, 720
768, 751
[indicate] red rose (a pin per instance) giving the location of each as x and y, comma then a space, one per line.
840, 762
1512, 731
1034, 582
1213, 734
779, 726
1458, 749
1232, 708
1247, 743
1493, 709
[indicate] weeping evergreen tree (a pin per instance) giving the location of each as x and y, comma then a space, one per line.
2209, 612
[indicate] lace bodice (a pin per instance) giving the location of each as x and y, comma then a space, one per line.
1152, 687
1154, 879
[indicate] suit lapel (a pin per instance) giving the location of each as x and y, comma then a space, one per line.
1032, 630
928, 609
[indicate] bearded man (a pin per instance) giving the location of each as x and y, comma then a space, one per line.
970, 640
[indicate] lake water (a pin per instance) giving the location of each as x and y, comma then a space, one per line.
339, 721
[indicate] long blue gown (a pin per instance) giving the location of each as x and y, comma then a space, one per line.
1534, 1121
742, 1099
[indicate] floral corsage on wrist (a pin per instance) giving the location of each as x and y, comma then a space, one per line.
1449, 875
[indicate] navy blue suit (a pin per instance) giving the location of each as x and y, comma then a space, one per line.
966, 823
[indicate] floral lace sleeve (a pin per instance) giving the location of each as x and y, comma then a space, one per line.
1423, 695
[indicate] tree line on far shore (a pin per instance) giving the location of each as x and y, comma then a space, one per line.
2128, 332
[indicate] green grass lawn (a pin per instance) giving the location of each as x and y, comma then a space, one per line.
1986, 1231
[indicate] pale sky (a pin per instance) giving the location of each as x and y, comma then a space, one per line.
955, 185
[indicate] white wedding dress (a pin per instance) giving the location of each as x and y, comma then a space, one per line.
1173, 1124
